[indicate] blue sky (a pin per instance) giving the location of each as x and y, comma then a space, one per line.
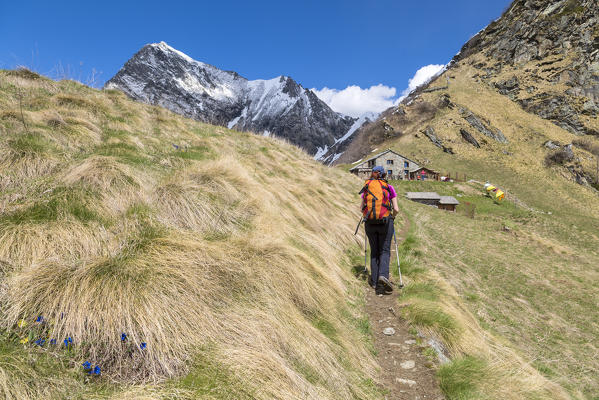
326, 43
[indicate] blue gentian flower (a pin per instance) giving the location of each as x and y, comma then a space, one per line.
52, 341
96, 370
143, 345
123, 337
40, 342
39, 319
68, 341
87, 365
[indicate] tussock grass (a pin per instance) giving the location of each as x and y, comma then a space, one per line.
216, 255
463, 378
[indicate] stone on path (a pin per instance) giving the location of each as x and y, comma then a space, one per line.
411, 341
389, 331
408, 382
408, 364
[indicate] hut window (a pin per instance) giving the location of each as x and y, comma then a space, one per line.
389, 162
406, 164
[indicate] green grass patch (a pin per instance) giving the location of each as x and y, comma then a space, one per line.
421, 290
196, 153
122, 266
140, 211
212, 379
29, 143
326, 328
461, 378
61, 203
430, 315
471, 297
543, 369
125, 152
216, 236
305, 370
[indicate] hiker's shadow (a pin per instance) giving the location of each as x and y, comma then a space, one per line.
360, 272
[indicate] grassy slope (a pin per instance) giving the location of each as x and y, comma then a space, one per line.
522, 298
215, 254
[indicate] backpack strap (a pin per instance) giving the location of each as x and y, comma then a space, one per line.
367, 189
384, 188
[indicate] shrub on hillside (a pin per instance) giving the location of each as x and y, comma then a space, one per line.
587, 144
558, 157
425, 109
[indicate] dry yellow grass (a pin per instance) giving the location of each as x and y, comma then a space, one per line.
219, 251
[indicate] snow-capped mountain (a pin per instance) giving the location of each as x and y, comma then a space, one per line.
161, 75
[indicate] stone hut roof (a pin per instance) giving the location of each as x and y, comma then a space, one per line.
423, 196
448, 200
361, 162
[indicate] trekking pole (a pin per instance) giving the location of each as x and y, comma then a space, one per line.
397, 254
365, 251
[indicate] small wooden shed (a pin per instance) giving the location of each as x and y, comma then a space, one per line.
423, 173
448, 203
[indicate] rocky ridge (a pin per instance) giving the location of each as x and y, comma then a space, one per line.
545, 56
161, 75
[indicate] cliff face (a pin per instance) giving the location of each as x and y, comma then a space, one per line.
551, 50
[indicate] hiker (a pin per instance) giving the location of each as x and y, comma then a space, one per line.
379, 207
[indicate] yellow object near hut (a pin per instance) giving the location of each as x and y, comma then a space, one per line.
494, 192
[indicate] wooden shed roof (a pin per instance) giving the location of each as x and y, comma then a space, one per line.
423, 196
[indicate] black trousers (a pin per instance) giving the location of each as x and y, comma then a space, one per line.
379, 237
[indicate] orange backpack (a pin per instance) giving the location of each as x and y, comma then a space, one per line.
376, 202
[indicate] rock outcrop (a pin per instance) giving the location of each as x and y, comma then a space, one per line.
554, 46
483, 128
469, 138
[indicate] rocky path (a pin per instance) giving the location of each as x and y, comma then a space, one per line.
405, 372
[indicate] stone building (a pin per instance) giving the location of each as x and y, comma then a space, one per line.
396, 165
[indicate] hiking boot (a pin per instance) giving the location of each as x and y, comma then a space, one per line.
380, 290
371, 283
385, 283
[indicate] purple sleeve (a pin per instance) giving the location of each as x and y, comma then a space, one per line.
392, 193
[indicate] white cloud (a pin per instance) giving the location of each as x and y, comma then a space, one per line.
421, 76
355, 101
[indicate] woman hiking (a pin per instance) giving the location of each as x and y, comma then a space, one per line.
379, 207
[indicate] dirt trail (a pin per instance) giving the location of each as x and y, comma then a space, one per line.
405, 372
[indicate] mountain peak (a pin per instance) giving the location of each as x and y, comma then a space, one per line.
161, 75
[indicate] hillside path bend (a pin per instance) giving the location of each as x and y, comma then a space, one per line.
406, 374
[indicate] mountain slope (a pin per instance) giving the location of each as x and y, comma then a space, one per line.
161, 75
118, 217
521, 116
